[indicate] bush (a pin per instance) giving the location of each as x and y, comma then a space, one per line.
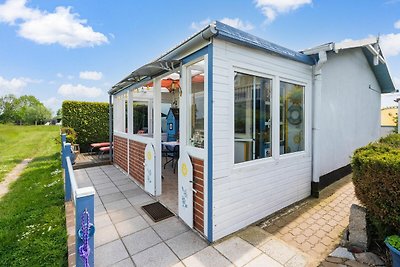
89, 119
376, 177
70, 134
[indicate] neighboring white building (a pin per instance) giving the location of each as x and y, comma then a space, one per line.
260, 126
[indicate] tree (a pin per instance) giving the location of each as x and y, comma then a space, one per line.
23, 110
8, 106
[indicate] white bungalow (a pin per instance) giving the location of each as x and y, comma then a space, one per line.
260, 126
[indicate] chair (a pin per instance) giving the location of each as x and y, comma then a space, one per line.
171, 154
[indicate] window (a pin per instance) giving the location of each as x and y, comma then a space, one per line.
141, 121
291, 117
196, 89
252, 117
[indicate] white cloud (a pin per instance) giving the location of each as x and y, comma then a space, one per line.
397, 24
60, 27
53, 103
79, 90
13, 10
13, 86
271, 8
197, 26
238, 23
60, 75
390, 44
70, 77
91, 75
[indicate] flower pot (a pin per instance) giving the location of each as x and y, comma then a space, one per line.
395, 255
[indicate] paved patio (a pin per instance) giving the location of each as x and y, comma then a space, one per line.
126, 236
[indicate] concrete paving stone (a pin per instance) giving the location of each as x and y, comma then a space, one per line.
97, 202
330, 264
110, 254
141, 240
124, 263
141, 199
131, 226
278, 250
157, 256
123, 214
105, 235
122, 182
102, 220
300, 239
112, 197
117, 205
132, 193
298, 261
208, 257
255, 235
263, 260
106, 191
97, 180
170, 228
313, 240
126, 187
106, 185
99, 209
342, 252
186, 244
238, 251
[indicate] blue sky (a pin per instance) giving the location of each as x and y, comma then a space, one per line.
57, 50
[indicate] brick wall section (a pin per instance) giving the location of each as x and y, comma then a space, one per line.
120, 152
198, 198
136, 160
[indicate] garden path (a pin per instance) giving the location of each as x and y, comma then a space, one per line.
12, 176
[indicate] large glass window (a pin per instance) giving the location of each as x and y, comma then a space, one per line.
252, 117
196, 89
291, 117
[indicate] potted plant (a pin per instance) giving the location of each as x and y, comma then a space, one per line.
393, 243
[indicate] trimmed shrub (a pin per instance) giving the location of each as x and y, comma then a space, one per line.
376, 177
70, 134
88, 119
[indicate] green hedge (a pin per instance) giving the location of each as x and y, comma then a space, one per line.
376, 177
89, 119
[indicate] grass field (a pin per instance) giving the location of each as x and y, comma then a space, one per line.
32, 215
20, 142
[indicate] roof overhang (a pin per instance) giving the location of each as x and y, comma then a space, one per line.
171, 59
373, 54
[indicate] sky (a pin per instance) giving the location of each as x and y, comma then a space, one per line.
76, 50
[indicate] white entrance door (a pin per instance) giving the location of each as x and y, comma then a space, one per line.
185, 189
149, 169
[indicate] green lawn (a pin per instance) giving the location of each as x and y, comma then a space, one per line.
20, 142
32, 215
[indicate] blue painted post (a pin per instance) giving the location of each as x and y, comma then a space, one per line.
84, 200
67, 156
63, 141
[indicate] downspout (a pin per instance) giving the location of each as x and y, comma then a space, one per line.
316, 127
110, 127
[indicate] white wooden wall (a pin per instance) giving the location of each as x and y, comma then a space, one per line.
350, 117
246, 193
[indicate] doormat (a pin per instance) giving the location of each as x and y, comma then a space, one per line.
157, 211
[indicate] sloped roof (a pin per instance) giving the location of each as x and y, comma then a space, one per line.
217, 30
373, 54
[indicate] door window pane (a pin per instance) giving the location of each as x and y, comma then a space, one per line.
252, 117
291, 117
196, 84
140, 111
